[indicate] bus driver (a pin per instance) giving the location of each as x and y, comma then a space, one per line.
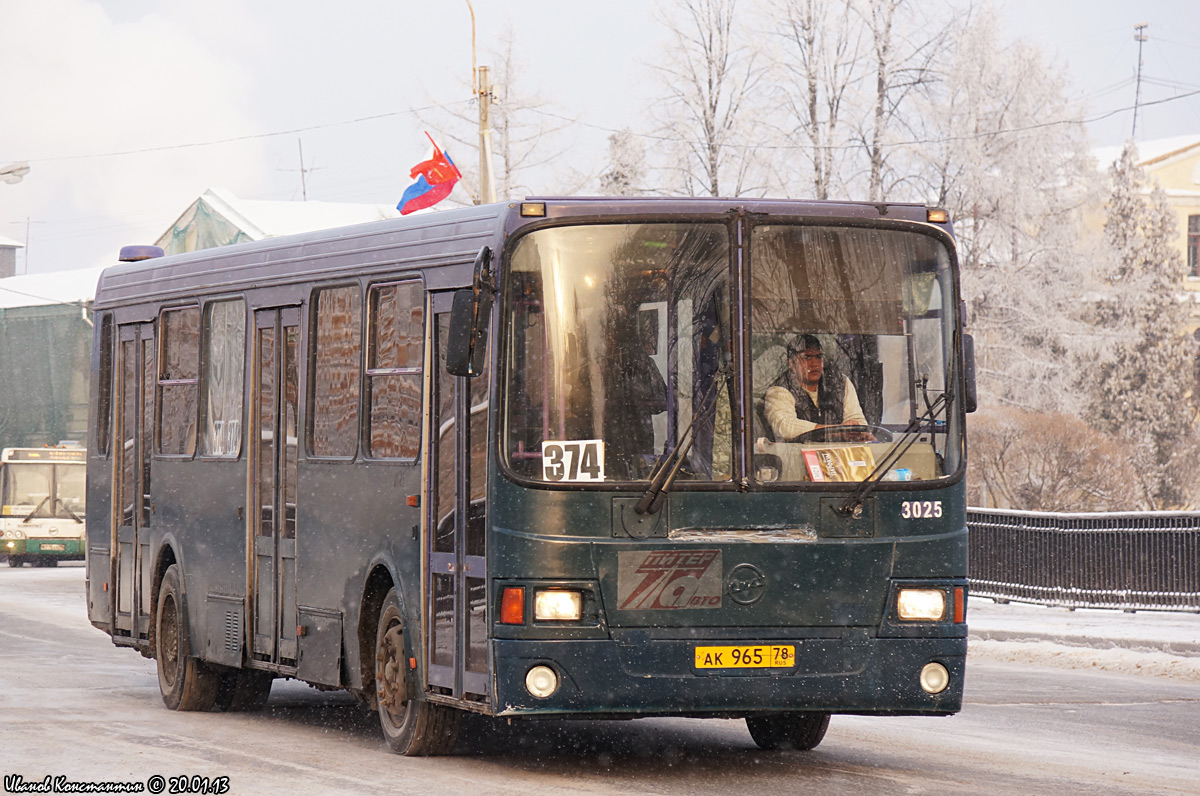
806, 398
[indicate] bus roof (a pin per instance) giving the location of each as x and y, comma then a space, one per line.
449, 237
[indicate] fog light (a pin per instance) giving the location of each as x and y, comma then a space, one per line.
934, 678
557, 605
541, 681
927, 605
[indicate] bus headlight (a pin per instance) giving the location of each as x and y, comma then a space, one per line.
541, 681
921, 605
557, 605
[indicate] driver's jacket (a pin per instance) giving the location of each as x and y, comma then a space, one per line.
790, 410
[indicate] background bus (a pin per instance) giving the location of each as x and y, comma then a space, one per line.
512, 459
42, 504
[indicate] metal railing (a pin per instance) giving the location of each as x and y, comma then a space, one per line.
1135, 561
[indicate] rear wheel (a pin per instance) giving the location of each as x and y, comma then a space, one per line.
243, 690
411, 726
186, 683
802, 731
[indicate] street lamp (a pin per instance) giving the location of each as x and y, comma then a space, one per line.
14, 172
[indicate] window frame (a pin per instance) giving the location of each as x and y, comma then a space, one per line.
202, 411
160, 352
1192, 246
106, 362
368, 371
311, 410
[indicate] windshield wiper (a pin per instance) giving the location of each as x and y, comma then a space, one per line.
63, 505
853, 504
33, 513
667, 466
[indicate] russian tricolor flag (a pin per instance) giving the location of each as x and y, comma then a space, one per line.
435, 179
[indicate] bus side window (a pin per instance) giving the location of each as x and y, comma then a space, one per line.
337, 359
104, 392
224, 376
179, 381
395, 362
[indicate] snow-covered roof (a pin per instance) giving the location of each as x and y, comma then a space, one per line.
1149, 152
9, 243
260, 218
54, 287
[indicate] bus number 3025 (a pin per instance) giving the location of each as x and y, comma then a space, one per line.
921, 509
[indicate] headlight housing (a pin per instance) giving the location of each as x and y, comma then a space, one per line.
921, 605
557, 605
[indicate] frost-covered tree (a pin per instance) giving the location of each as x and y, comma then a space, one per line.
1139, 383
1017, 189
625, 174
709, 109
817, 50
906, 44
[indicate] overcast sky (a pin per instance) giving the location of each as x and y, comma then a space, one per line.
127, 110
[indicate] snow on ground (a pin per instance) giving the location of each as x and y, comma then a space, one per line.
1158, 643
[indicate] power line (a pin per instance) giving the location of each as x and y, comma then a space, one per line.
236, 139
912, 142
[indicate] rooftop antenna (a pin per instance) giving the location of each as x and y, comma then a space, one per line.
303, 171
1139, 35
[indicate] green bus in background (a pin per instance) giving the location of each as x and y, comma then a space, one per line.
42, 504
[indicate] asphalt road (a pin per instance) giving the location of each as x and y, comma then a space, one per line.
74, 706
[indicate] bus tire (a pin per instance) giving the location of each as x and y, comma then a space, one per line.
243, 690
411, 726
800, 731
15, 561
186, 683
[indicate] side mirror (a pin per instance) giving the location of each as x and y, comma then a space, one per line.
466, 346
971, 398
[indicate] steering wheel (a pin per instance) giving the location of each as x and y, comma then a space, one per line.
845, 433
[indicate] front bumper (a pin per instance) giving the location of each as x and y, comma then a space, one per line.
645, 676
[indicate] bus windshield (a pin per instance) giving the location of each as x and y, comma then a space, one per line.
48, 490
615, 339
850, 349
617, 347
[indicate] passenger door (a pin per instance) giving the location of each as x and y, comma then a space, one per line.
456, 594
273, 473
135, 379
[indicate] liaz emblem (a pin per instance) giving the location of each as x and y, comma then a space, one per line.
660, 580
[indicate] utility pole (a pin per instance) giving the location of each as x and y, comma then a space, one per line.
1139, 35
482, 87
487, 184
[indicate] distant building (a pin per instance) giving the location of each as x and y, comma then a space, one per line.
218, 218
45, 345
8, 257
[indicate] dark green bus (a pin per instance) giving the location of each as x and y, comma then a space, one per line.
565, 457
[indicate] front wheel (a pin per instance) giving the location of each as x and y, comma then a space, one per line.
801, 731
15, 561
411, 726
186, 683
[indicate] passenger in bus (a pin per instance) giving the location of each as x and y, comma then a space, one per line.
807, 397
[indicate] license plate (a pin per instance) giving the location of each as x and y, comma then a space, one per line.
753, 656
59, 547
